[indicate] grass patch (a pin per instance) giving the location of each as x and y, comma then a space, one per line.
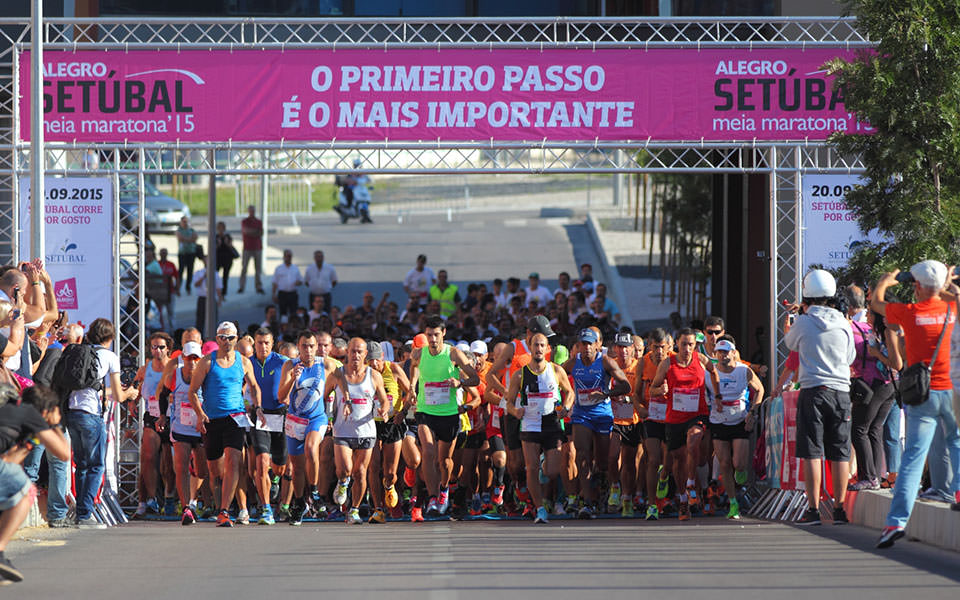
323, 196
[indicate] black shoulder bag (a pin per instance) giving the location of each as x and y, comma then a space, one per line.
860, 390
915, 380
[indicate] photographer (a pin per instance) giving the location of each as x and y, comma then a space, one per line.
924, 323
822, 338
24, 427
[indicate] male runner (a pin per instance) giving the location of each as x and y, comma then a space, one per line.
654, 427
731, 419
386, 454
304, 384
148, 376
682, 379
269, 440
627, 432
435, 374
545, 397
592, 415
222, 415
183, 430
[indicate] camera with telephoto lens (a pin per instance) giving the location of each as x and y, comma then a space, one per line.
127, 377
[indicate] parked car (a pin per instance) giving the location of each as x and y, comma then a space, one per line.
161, 212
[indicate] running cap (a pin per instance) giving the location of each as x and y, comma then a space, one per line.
534, 275
462, 346
419, 340
192, 349
560, 354
227, 327
478, 347
209, 347
588, 335
540, 324
374, 350
623, 339
930, 273
819, 284
724, 346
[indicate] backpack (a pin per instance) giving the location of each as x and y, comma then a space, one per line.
77, 369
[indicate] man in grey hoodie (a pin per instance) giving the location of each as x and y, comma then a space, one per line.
823, 339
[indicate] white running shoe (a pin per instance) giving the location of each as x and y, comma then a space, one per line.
340, 493
353, 517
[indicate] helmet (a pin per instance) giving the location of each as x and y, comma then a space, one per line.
819, 284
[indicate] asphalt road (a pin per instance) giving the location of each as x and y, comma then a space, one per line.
705, 558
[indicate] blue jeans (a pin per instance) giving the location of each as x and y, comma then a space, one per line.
922, 420
88, 438
58, 479
892, 449
939, 463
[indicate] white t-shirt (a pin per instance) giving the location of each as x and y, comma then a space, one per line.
565, 292
285, 277
200, 282
419, 282
541, 294
87, 399
322, 280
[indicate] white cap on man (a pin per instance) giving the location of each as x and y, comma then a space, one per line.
192, 349
724, 346
227, 328
819, 284
478, 347
930, 273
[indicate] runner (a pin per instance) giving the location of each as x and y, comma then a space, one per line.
386, 454
545, 397
354, 430
435, 375
654, 427
183, 430
592, 415
410, 446
627, 432
222, 416
732, 418
304, 384
508, 359
269, 440
148, 377
681, 379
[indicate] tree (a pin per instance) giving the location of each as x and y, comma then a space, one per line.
908, 89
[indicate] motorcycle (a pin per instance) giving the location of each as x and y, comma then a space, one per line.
354, 199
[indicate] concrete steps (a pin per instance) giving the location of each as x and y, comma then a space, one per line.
931, 522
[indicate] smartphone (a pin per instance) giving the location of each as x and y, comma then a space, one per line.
791, 318
905, 277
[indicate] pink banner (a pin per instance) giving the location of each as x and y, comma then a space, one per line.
429, 95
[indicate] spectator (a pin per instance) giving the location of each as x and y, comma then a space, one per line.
286, 278
251, 230
172, 279
200, 283
321, 278
924, 323
535, 292
187, 251
823, 339
225, 254
88, 434
500, 296
586, 278
12, 282
563, 279
419, 279
446, 294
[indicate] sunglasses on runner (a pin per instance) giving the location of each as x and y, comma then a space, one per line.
713, 331
226, 338
159, 347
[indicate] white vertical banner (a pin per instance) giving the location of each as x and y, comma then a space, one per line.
830, 232
79, 239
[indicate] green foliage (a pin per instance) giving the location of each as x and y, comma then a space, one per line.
908, 90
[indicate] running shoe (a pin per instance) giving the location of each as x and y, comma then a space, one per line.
391, 496
684, 512
396, 512
266, 516
497, 497
652, 513
340, 494
889, 535
541, 516
810, 517
443, 502
243, 517
274, 488
283, 513
320, 510
840, 516
663, 485
627, 510
416, 515
378, 516
152, 507
476, 506
614, 500
863, 484
296, 515
734, 512
559, 510
409, 477
223, 519
692, 495
334, 515
8, 571
353, 517
523, 495
586, 513
140, 513
188, 517
433, 508
526, 511
171, 507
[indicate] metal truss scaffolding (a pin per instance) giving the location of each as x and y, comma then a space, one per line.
784, 162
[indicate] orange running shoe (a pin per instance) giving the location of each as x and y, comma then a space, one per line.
416, 515
223, 519
409, 477
684, 512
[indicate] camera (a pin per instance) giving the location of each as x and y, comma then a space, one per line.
127, 377
905, 277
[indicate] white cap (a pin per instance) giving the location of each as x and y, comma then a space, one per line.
930, 273
819, 284
387, 351
725, 345
227, 327
478, 347
192, 349
463, 346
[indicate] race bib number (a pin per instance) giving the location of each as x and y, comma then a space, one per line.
622, 408
584, 399
686, 400
295, 427
495, 419
242, 420
274, 423
657, 410
153, 406
390, 408
436, 393
538, 404
188, 416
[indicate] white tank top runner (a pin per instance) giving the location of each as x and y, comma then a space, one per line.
360, 423
735, 396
